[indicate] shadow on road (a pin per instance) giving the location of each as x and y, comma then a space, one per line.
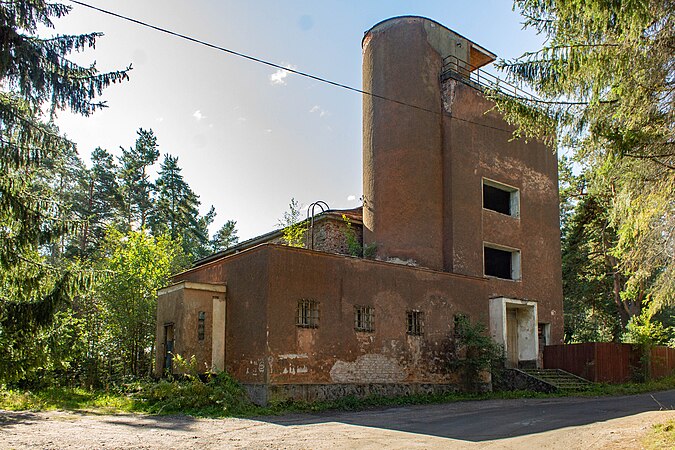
494, 419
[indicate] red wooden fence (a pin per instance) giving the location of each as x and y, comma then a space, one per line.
662, 360
606, 361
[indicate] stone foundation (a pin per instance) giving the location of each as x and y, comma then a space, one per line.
262, 394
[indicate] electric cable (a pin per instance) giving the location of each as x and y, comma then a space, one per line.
276, 66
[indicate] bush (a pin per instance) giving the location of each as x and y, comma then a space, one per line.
482, 354
196, 394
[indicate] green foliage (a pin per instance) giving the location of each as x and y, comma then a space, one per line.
294, 228
475, 353
662, 435
176, 211
645, 331
36, 78
220, 395
354, 245
138, 265
225, 237
604, 81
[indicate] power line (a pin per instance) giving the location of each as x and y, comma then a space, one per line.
271, 64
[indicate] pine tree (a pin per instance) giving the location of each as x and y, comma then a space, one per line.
176, 211
225, 237
136, 188
105, 199
35, 76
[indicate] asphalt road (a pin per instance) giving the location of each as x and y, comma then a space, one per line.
569, 423
495, 419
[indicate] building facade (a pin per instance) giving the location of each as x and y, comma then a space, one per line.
460, 219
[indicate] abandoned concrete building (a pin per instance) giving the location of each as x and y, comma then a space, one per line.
460, 218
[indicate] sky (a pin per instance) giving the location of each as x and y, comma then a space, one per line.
247, 136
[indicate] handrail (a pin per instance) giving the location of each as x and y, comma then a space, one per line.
453, 64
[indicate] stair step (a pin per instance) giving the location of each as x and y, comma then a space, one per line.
559, 378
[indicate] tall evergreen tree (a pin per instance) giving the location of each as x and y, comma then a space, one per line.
225, 237
605, 84
176, 211
105, 199
35, 76
135, 186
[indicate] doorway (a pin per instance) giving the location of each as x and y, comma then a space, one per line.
513, 324
168, 348
512, 357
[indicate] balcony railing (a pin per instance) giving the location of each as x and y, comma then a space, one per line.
453, 67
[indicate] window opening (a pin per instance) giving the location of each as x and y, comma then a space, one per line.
415, 322
200, 325
544, 330
363, 318
502, 263
308, 313
501, 198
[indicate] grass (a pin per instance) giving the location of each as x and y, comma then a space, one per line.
661, 436
221, 396
72, 399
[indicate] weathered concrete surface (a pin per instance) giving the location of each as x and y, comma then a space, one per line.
589, 423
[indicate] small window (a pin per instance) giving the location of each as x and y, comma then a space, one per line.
502, 263
544, 334
501, 198
415, 322
200, 325
363, 318
308, 313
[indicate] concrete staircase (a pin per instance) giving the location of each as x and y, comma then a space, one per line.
562, 380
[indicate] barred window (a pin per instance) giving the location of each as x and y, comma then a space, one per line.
415, 322
363, 318
308, 313
200, 325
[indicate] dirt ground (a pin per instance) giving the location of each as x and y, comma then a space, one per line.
339, 430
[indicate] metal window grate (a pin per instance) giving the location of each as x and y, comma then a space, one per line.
415, 323
364, 318
308, 313
201, 325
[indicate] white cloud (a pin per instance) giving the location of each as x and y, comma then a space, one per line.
269, 130
198, 115
316, 109
159, 119
279, 77
351, 198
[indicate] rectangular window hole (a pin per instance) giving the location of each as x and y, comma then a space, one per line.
501, 198
502, 263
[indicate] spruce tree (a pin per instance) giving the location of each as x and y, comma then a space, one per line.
36, 76
604, 81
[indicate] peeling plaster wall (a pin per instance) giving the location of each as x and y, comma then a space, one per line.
335, 352
181, 307
245, 274
478, 146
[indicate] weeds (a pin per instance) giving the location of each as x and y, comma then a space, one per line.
662, 435
222, 396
